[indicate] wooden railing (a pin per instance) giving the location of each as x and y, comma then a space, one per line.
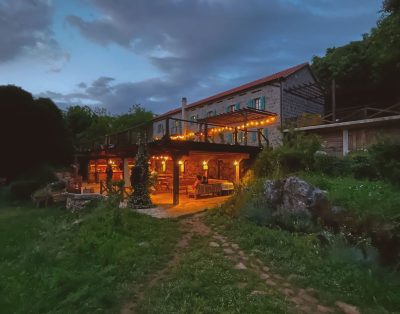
180, 130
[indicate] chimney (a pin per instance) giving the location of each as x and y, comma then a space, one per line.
184, 103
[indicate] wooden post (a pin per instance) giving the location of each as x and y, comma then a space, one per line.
127, 177
345, 142
175, 174
206, 133
259, 137
333, 101
245, 129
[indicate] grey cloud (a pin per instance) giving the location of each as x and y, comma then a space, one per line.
25, 27
205, 46
154, 94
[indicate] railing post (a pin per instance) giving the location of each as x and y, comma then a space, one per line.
236, 136
206, 132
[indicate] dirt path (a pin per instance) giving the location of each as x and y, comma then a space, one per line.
190, 226
304, 300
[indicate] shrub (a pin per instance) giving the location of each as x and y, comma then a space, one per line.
385, 156
362, 166
296, 153
24, 185
331, 165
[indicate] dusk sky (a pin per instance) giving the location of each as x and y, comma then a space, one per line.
118, 53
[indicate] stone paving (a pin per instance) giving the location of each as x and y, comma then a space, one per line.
304, 300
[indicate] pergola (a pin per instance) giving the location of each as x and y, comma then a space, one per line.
311, 92
238, 117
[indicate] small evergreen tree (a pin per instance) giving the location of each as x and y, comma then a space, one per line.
140, 197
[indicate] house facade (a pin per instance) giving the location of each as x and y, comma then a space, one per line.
217, 137
283, 94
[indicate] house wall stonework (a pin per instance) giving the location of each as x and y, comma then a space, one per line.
291, 105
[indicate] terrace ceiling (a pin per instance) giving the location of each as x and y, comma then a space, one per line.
238, 117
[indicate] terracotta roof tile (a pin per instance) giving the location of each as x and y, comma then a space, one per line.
270, 78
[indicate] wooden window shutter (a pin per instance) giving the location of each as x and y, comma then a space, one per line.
266, 132
237, 106
262, 102
229, 138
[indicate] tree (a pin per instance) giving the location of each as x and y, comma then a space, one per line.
366, 71
78, 120
140, 197
32, 132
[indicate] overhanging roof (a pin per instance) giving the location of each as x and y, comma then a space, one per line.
238, 117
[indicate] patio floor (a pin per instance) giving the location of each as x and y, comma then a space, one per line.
186, 206
165, 209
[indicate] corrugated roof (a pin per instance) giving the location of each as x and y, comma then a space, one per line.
270, 78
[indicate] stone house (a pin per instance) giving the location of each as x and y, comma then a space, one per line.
287, 94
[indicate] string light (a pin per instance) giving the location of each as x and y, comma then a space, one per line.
226, 128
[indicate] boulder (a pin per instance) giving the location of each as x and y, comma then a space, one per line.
78, 202
295, 196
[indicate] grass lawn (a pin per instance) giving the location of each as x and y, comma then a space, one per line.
55, 262
364, 198
205, 282
332, 271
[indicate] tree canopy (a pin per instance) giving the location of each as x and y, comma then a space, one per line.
32, 132
87, 124
366, 71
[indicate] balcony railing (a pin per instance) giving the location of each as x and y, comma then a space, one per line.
179, 130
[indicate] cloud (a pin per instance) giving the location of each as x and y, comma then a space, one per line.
204, 46
25, 29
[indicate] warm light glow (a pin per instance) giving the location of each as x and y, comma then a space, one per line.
235, 163
205, 165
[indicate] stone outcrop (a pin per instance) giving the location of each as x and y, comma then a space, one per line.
295, 196
78, 202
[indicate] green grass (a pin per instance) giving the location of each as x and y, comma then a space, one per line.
205, 282
333, 271
362, 197
50, 262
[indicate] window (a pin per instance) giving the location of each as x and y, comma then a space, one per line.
257, 103
193, 119
159, 128
254, 136
233, 108
210, 113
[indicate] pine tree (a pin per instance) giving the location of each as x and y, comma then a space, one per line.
140, 197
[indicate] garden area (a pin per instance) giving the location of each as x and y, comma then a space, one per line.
349, 250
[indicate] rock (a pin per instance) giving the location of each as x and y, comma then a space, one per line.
228, 251
78, 202
214, 244
347, 308
264, 276
258, 292
297, 301
240, 266
235, 246
287, 292
324, 309
295, 196
266, 269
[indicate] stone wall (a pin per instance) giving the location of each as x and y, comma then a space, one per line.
272, 104
294, 106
